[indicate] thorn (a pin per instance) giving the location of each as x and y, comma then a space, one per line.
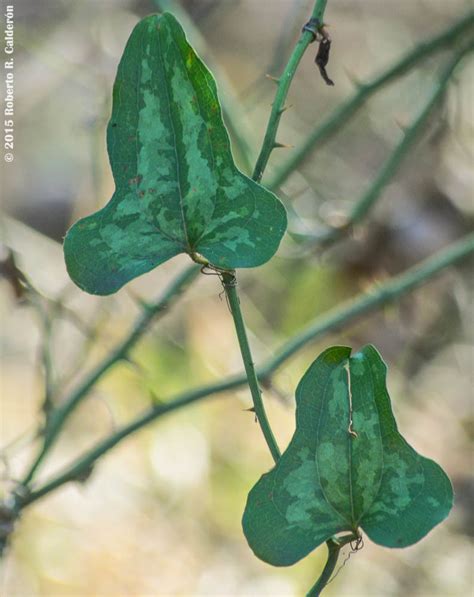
272, 78
402, 125
277, 145
285, 108
154, 399
325, 33
358, 84
84, 475
138, 299
134, 364
249, 410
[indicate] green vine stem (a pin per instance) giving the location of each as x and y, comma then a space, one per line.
378, 296
348, 312
58, 416
334, 545
229, 281
284, 82
391, 166
364, 91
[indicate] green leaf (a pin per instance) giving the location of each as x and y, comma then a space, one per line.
177, 186
330, 480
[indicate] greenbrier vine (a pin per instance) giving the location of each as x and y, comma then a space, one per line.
230, 286
364, 90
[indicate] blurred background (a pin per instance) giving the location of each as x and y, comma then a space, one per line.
160, 514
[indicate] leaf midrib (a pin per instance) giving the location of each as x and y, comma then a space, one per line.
178, 169
342, 516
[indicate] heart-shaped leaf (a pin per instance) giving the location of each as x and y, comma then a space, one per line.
177, 187
347, 467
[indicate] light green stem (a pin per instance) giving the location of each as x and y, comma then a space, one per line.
348, 312
410, 136
394, 161
230, 280
347, 109
59, 415
284, 82
374, 298
334, 546
230, 287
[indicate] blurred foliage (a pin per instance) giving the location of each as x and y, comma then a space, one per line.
139, 527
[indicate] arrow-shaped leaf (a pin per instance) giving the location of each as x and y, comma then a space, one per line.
177, 187
347, 467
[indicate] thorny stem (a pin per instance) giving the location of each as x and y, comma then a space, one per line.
230, 286
334, 545
392, 164
376, 297
348, 312
229, 279
291, 24
59, 415
364, 91
284, 82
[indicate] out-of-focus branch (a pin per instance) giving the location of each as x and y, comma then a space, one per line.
348, 312
291, 24
347, 109
59, 415
46, 358
230, 286
307, 36
394, 161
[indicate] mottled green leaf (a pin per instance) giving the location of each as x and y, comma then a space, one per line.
177, 187
341, 476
